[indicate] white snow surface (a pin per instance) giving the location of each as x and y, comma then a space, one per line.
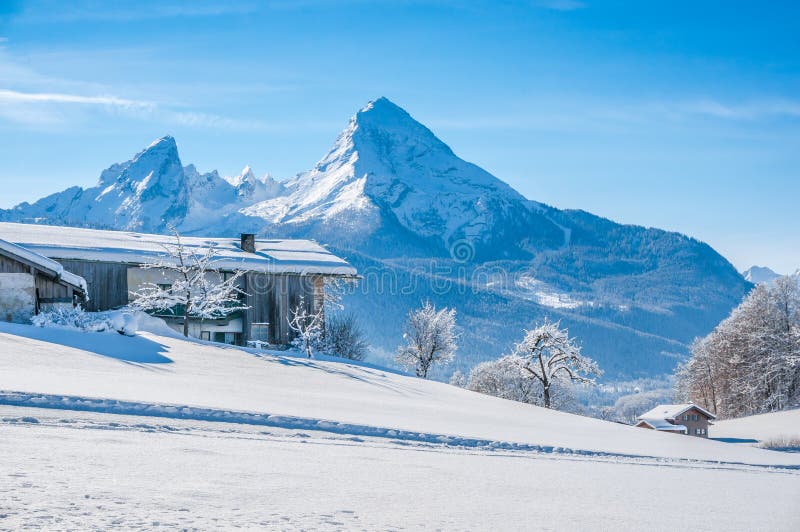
272, 255
167, 374
79, 470
762, 427
45, 263
103, 431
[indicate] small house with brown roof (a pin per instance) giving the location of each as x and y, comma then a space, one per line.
687, 418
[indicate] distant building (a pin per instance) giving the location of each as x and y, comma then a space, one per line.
685, 418
279, 273
30, 283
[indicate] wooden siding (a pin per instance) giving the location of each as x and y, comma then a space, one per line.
48, 289
107, 283
271, 299
9, 265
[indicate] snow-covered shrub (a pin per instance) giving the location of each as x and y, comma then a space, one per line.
78, 319
344, 337
782, 443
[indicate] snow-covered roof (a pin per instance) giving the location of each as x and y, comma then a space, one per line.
662, 424
271, 255
48, 265
673, 411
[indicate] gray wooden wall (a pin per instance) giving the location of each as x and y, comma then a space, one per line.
107, 283
271, 299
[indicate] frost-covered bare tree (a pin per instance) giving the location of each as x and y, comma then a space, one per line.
309, 324
750, 363
430, 337
503, 378
195, 284
506, 378
548, 355
344, 337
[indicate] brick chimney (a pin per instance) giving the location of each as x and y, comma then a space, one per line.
248, 242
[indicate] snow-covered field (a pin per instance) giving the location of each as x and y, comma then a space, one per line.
762, 428
322, 444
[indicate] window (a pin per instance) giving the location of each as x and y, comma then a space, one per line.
205, 335
685, 417
259, 332
227, 338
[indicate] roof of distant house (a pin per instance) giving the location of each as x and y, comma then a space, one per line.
43, 263
662, 424
271, 255
671, 412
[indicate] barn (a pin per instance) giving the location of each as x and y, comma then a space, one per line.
279, 274
30, 283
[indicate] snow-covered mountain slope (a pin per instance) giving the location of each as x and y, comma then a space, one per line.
147, 193
388, 172
421, 223
142, 194
58, 368
760, 274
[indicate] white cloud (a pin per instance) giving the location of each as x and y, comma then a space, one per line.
47, 108
752, 110
47, 97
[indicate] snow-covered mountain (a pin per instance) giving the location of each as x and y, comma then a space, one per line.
387, 173
760, 275
421, 223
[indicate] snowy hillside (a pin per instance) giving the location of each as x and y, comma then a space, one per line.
422, 223
761, 428
158, 431
57, 368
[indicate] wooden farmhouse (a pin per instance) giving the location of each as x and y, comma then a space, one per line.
279, 274
687, 418
30, 283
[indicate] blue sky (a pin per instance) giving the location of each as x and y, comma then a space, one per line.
679, 115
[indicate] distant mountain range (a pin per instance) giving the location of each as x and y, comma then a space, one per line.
421, 223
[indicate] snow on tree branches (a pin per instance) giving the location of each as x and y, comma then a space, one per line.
309, 324
195, 288
430, 339
504, 378
549, 355
750, 363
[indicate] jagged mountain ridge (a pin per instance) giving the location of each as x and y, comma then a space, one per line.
397, 201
